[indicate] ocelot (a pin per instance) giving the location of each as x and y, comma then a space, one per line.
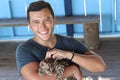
50, 66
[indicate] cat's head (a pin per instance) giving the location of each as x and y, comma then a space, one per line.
45, 67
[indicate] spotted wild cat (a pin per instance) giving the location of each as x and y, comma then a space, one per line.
50, 66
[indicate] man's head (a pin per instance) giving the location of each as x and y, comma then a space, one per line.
41, 20
38, 6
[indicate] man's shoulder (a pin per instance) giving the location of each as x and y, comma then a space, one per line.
64, 37
25, 44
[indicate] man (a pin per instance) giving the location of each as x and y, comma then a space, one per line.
41, 21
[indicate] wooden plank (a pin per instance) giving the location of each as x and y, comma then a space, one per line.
59, 20
77, 19
88, 21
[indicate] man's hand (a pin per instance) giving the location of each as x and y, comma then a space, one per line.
58, 54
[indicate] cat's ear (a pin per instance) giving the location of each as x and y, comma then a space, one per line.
41, 63
44, 65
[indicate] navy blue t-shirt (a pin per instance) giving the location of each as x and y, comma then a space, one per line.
31, 51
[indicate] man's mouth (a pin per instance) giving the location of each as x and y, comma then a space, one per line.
43, 32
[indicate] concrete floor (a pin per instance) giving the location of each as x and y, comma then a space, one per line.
109, 50
8, 70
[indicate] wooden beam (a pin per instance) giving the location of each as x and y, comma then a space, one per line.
91, 29
59, 20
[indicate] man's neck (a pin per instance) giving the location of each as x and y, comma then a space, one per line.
48, 43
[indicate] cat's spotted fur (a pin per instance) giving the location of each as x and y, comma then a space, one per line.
50, 66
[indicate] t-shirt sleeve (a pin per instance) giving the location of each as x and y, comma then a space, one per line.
24, 55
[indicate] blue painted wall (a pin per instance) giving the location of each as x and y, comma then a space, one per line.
117, 21
5, 13
17, 9
59, 10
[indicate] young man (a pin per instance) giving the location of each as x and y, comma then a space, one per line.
41, 21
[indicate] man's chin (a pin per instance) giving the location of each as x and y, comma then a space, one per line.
45, 39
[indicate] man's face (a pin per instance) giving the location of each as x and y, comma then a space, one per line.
42, 24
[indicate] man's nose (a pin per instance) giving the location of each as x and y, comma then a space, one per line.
42, 26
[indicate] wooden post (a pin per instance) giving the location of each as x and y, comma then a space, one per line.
91, 35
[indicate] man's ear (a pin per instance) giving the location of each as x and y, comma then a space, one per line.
54, 20
29, 25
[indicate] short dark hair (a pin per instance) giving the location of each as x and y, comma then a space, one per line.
37, 6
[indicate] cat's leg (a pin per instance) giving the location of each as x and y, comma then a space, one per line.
59, 72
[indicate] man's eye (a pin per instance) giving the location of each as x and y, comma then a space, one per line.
47, 21
36, 22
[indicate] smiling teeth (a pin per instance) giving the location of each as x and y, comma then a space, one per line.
43, 32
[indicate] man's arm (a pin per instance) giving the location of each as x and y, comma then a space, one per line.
89, 60
30, 72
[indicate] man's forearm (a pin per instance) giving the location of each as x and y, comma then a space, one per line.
92, 63
73, 70
41, 77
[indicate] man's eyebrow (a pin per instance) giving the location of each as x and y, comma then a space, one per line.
43, 18
35, 20
48, 17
